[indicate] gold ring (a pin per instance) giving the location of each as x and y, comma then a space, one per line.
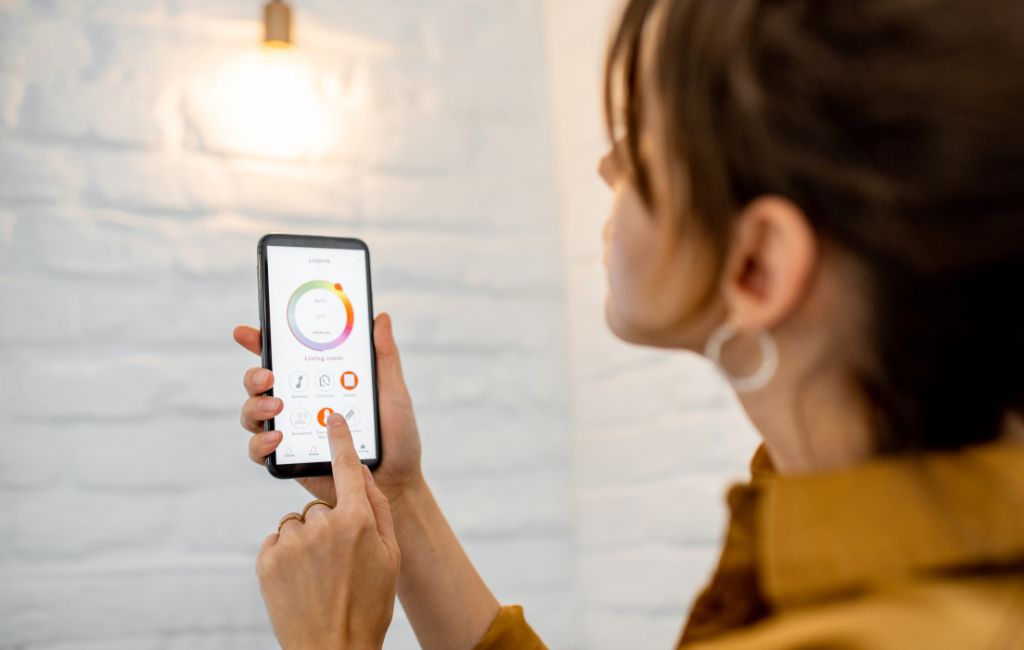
290, 515
311, 504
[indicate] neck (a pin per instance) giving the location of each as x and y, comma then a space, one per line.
825, 427
811, 425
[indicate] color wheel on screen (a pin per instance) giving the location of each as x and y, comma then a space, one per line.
320, 315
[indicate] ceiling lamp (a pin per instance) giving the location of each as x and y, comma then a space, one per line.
277, 24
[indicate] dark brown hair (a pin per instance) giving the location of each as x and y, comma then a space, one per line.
898, 128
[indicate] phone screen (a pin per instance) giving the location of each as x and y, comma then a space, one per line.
318, 312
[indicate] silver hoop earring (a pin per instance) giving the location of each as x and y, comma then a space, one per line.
760, 377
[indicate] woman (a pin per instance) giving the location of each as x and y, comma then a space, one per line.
827, 199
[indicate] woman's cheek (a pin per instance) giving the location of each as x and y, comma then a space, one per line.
631, 246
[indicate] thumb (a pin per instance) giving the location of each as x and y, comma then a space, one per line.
345, 463
381, 511
389, 363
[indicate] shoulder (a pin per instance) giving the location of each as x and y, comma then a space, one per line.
965, 612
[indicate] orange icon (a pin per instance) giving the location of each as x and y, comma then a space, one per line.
349, 380
322, 416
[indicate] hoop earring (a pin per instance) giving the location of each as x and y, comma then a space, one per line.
760, 377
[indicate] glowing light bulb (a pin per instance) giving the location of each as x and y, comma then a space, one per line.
267, 103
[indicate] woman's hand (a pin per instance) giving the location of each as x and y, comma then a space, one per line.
447, 603
400, 438
329, 577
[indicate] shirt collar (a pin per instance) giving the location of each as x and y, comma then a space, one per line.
886, 520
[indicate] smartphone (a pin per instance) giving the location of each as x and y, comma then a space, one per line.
316, 315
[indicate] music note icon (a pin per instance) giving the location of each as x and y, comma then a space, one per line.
298, 380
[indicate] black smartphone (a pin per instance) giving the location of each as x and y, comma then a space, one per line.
316, 315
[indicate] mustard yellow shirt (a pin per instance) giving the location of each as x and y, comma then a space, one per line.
898, 552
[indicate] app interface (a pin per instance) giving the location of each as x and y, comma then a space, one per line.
320, 346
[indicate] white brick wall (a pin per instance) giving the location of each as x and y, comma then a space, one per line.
129, 515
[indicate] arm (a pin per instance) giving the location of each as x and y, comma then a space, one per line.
444, 597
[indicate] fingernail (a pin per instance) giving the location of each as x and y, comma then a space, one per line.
262, 376
270, 436
271, 404
335, 419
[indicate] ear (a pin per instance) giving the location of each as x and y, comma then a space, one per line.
771, 258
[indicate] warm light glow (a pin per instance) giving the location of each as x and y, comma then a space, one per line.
269, 103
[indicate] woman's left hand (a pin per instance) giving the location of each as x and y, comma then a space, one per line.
328, 578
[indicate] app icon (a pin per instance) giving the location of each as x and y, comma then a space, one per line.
351, 415
299, 381
322, 416
349, 380
323, 381
300, 418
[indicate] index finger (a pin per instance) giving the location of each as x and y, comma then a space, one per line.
345, 463
248, 338
257, 381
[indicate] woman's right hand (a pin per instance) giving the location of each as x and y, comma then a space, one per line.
400, 438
